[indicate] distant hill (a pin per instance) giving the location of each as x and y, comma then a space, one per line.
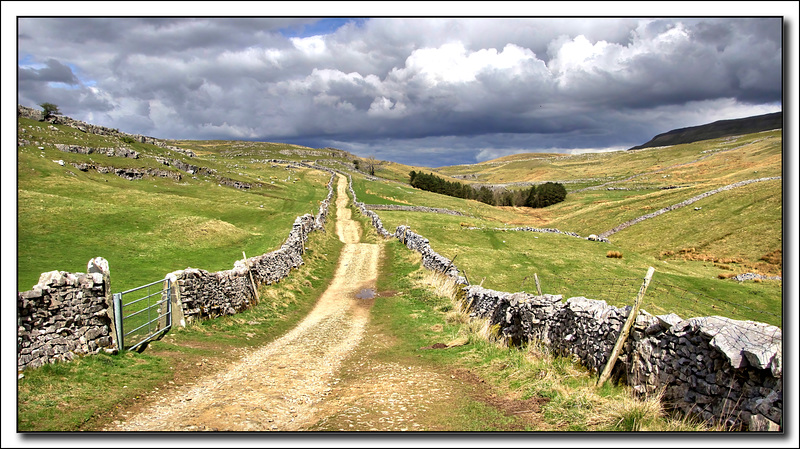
721, 128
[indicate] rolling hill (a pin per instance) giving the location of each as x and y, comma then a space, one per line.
201, 203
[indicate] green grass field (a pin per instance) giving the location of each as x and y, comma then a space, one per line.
693, 251
152, 226
149, 227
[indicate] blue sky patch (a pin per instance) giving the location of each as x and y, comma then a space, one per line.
320, 27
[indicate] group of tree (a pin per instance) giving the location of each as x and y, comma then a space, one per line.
542, 195
369, 164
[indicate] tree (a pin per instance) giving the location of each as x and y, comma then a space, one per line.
485, 195
546, 194
371, 164
49, 110
531, 199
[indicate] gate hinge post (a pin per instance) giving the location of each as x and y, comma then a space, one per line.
118, 321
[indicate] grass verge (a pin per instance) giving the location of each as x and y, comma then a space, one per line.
504, 389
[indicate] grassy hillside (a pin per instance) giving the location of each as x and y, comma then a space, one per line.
149, 227
721, 128
694, 249
719, 159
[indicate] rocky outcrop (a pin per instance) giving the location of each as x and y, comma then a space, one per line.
118, 152
185, 167
34, 114
241, 185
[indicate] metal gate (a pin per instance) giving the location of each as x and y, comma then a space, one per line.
144, 317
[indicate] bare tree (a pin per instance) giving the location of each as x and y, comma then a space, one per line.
371, 164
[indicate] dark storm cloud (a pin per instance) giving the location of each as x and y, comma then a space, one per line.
427, 88
53, 71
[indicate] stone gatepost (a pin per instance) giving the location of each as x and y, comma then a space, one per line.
99, 265
178, 318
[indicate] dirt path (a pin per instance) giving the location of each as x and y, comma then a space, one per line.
281, 385
323, 374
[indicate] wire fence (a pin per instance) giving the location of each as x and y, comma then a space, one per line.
662, 297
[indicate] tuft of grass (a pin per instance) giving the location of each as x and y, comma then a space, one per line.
614, 255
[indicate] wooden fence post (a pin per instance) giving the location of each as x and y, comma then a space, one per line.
450, 264
626, 328
538, 287
255, 290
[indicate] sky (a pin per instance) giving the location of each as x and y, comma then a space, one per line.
426, 91
401, 81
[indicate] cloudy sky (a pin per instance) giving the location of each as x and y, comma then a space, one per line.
425, 91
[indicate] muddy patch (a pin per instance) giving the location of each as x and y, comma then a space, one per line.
528, 410
435, 346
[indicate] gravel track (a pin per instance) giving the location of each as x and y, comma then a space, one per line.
281, 386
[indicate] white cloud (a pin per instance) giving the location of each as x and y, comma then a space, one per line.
311, 46
252, 58
495, 85
385, 107
451, 63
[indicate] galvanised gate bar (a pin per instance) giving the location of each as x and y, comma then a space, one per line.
146, 316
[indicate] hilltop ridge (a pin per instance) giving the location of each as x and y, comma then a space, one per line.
715, 130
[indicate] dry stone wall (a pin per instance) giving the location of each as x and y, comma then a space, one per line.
374, 218
69, 314
64, 315
430, 258
723, 370
204, 294
691, 200
435, 210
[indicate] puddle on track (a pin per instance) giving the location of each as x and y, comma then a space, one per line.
367, 293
